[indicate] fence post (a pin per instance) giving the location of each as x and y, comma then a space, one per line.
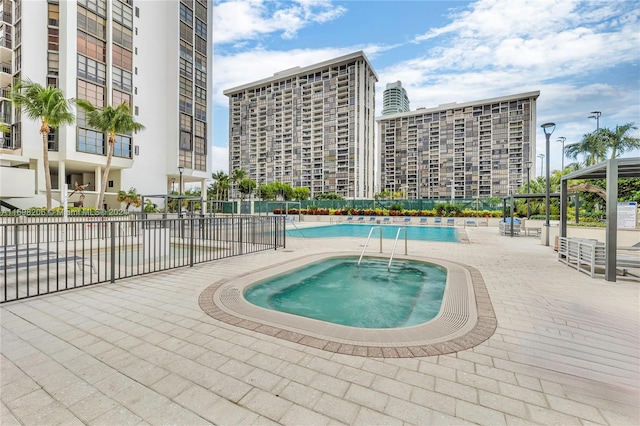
191, 243
112, 225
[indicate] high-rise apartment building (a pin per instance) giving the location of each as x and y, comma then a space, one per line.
155, 56
308, 127
394, 99
470, 150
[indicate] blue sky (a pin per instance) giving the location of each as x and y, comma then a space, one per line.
582, 56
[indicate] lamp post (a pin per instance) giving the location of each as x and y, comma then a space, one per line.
528, 164
173, 184
562, 139
596, 115
541, 157
180, 170
548, 130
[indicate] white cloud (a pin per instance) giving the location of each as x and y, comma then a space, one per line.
250, 19
220, 159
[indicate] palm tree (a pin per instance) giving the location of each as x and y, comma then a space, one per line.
109, 120
222, 183
237, 175
130, 197
618, 140
246, 187
593, 147
49, 106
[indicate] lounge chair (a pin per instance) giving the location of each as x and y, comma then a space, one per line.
423, 221
350, 219
372, 219
386, 220
361, 219
437, 221
451, 221
471, 222
407, 220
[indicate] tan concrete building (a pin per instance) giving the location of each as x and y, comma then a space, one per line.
308, 126
474, 149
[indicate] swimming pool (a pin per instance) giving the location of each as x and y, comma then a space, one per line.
339, 291
422, 233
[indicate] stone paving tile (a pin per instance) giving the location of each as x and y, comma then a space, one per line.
141, 351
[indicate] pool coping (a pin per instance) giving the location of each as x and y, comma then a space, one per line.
459, 325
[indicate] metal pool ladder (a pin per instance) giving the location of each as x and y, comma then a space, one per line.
404, 228
367, 242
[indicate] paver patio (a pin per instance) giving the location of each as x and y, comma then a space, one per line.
141, 351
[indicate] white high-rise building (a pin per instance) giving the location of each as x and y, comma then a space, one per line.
308, 127
154, 55
394, 99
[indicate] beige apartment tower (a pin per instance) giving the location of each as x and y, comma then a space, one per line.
309, 127
474, 149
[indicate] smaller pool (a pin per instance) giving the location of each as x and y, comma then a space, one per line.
339, 291
422, 233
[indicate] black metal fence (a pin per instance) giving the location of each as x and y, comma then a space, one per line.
44, 257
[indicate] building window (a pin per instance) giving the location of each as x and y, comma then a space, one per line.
91, 23
123, 36
137, 12
92, 47
53, 63
185, 141
186, 104
92, 70
201, 45
90, 141
186, 33
201, 29
186, 68
119, 98
122, 146
96, 6
18, 63
201, 78
201, 95
201, 11
186, 87
54, 14
122, 14
122, 57
186, 15
200, 128
201, 62
52, 140
186, 51
91, 93
201, 112
18, 36
122, 79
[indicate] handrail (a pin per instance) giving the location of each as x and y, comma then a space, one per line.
367, 242
396, 243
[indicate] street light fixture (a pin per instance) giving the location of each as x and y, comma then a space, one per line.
528, 164
541, 157
180, 170
548, 130
596, 115
562, 139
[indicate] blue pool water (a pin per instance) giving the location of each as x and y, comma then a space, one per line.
337, 290
423, 233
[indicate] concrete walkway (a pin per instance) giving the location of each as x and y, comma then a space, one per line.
141, 351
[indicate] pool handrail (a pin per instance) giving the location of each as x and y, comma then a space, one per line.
367, 242
396, 243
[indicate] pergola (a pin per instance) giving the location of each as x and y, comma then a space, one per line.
611, 170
